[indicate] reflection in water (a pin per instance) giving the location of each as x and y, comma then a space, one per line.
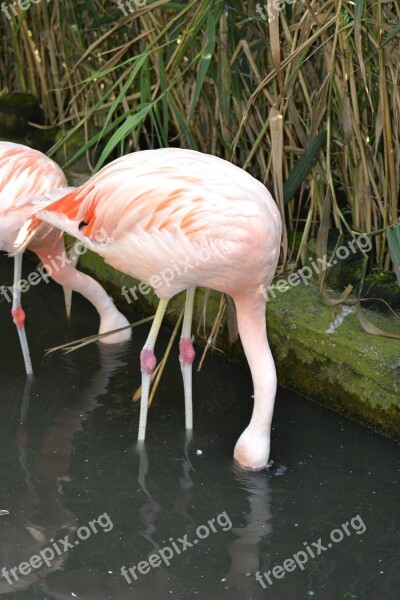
150, 510
42, 515
67, 458
245, 550
91, 584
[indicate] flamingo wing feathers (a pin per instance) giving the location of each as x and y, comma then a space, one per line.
25, 174
156, 190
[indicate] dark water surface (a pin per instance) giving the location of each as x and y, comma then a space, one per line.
68, 456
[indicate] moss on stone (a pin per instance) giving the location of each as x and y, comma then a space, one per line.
349, 370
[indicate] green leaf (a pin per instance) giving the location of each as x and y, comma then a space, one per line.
183, 123
358, 10
122, 132
118, 100
96, 138
205, 60
393, 237
164, 99
391, 35
300, 171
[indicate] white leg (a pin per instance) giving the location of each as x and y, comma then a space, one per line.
186, 357
148, 362
18, 314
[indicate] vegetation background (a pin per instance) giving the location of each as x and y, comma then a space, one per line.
306, 99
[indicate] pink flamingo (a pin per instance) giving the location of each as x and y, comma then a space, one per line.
178, 219
26, 174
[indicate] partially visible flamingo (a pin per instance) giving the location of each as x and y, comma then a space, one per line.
25, 175
165, 211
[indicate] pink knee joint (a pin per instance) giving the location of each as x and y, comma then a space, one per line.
186, 350
18, 316
148, 361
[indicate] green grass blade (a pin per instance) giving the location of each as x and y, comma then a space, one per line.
205, 60
183, 124
393, 237
131, 123
391, 35
300, 171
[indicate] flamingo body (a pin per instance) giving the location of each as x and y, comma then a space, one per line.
162, 207
203, 222
26, 175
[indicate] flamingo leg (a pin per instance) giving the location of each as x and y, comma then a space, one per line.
253, 447
186, 357
147, 363
18, 314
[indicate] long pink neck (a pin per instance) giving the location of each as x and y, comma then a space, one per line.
252, 330
52, 253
